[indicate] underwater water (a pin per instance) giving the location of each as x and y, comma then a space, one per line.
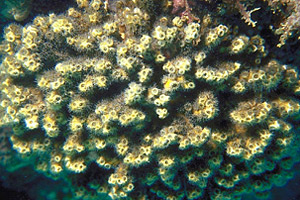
149, 99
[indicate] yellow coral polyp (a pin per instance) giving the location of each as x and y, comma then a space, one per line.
159, 33
86, 85
96, 4
99, 143
56, 168
54, 98
239, 87
77, 166
96, 33
76, 124
214, 35
133, 93
94, 124
286, 107
251, 112
191, 32
102, 65
32, 122
162, 113
121, 51
73, 13
110, 28
200, 56
62, 26
177, 21
205, 107
85, 44
167, 162
78, 104
22, 147
145, 74
94, 18
10, 37
101, 81
82, 3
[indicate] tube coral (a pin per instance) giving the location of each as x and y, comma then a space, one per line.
121, 104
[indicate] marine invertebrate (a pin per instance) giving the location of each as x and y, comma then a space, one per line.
123, 105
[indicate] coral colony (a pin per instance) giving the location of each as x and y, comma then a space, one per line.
123, 102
